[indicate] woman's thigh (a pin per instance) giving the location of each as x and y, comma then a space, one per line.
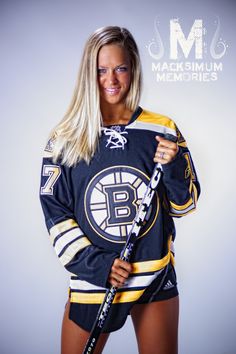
74, 338
156, 326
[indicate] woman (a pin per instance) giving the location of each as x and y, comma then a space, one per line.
96, 166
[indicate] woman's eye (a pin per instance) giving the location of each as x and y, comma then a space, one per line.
119, 69
101, 71
122, 69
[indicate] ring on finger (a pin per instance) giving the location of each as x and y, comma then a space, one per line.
162, 154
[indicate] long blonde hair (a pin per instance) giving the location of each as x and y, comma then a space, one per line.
76, 137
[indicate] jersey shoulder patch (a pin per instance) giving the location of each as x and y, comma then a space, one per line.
48, 150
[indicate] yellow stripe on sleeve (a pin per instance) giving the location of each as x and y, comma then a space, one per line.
195, 193
62, 227
75, 247
182, 207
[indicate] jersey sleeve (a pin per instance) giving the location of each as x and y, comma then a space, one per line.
180, 181
73, 248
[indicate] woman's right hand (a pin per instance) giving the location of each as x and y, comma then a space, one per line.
119, 273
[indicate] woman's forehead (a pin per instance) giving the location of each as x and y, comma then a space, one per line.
112, 53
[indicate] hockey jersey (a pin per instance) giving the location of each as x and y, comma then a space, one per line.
89, 208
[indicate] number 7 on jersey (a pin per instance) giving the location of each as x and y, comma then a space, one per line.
52, 172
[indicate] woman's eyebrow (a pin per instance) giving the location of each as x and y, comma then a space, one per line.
106, 67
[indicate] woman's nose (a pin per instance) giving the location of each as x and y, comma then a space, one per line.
112, 77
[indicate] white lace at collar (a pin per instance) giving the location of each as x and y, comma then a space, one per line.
116, 139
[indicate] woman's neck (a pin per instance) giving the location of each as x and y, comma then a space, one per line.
115, 115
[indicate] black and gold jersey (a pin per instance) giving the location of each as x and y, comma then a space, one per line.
89, 208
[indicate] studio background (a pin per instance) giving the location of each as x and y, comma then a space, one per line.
41, 46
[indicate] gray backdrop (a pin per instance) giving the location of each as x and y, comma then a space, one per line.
41, 45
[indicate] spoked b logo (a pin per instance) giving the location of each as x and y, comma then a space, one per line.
112, 199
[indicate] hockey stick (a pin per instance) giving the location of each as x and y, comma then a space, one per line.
126, 253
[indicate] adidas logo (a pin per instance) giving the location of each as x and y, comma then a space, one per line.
168, 285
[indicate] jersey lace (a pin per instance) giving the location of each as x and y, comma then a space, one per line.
116, 139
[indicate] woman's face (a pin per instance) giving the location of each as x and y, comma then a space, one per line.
114, 74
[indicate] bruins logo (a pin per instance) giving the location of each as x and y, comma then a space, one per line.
112, 199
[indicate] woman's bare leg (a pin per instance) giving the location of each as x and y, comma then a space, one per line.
156, 326
74, 338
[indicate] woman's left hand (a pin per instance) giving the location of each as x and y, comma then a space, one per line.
166, 151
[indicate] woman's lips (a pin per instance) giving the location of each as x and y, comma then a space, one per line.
112, 91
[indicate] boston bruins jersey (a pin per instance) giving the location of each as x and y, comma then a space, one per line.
89, 208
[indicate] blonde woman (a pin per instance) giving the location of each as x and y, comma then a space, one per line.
96, 166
